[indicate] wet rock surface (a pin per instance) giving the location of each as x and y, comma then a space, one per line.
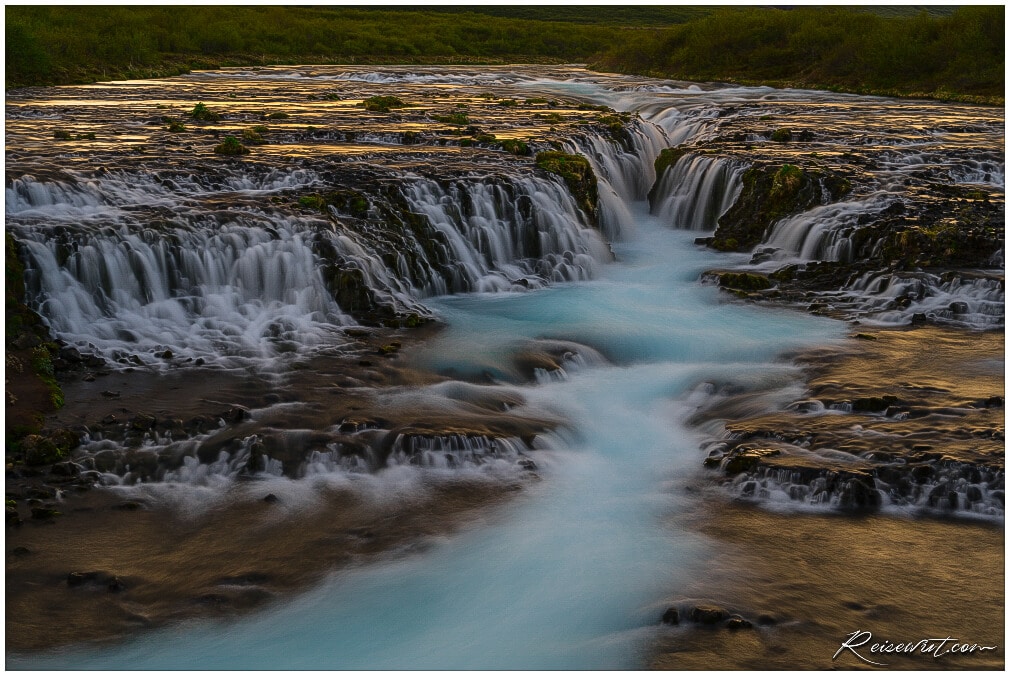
909, 419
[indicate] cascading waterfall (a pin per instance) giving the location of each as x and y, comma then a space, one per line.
697, 190
956, 298
500, 237
822, 233
247, 281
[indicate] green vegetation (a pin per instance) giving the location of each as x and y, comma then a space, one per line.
515, 146
457, 118
667, 158
577, 173
383, 104
782, 135
960, 56
231, 146
175, 126
932, 51
252, 136
204, 114
64, 135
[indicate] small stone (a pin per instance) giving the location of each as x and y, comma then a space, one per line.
115, 585
128, 506
45, 513
671, 616
271, 498
109, 394
143, 422
199, 361
21, 551
76, 579
708, 614
736, 622
766, 620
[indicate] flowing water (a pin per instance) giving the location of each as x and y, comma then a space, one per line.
211, 262
569, 577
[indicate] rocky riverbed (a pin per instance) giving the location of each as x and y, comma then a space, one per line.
232, 295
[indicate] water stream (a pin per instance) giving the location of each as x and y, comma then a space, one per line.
568, 577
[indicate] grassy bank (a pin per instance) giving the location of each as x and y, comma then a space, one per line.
956, 55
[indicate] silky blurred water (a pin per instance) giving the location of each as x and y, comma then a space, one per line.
571, 575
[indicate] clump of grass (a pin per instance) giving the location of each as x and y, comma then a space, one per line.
231, 146
783, 135
64, 135
383, 104
515, 146
508, 103
552, 118
204, 114
457, 118
252, 137
787, 180
175, 126
536, 101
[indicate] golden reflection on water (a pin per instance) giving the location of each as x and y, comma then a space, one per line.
823, 577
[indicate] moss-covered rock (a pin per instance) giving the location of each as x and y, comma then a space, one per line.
769, 194
667, 158
204, 114
383, 104
578, 175
744, 281
515, 146
231, 146
783, 135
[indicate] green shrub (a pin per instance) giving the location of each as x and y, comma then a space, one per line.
515, 146
231, 146
457, 118
383, 104
252, 137
204, 114
782, 135
62, 135
175, 126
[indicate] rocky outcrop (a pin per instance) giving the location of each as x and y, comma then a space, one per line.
771, 193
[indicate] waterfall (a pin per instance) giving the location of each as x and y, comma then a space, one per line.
901, 297
130, 263
697, 190
823, 232
507, 236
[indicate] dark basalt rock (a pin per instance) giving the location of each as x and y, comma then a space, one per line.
707, 614
671, 616
770, 193
736, 622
